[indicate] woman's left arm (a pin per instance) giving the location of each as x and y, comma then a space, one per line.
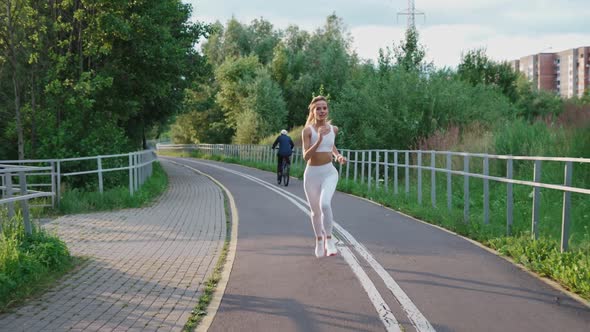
339, 158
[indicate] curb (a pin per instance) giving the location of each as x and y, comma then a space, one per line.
231, 255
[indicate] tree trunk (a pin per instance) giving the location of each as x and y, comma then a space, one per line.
33, 115
14, 63
19, 125
143, 140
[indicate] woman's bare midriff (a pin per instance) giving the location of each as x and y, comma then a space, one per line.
320, 158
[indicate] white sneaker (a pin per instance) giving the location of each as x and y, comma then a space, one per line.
319, 248
331, 249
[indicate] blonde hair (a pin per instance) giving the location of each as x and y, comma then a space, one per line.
311, 116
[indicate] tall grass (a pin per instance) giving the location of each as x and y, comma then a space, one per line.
294, 133
79, 201
28, 263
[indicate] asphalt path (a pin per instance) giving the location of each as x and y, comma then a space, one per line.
393, 273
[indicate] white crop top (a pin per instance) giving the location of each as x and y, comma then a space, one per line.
327, 142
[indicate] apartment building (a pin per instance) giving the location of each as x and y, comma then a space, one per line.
565, 72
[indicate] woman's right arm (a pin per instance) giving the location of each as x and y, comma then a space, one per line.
309, 151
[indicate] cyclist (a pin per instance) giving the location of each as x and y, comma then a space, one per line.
286, 146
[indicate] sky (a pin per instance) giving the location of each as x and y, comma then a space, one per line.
507, 29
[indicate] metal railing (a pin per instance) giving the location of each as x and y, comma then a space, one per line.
19, 192
50, 172
374, 167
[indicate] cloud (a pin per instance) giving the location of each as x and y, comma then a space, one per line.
446, 43
508, 29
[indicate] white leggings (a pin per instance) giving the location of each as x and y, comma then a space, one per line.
319, 183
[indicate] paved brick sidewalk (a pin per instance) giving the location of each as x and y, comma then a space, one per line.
146, 265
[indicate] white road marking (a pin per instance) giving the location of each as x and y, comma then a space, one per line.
383, 310
416, 317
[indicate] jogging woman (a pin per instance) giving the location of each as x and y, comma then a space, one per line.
320, 176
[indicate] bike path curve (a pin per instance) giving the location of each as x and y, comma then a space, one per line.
277, 284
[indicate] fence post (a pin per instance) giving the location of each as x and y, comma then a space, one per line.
536, 200
340, 170
509, 198
52, 163
135, 172
377, 159
386, 170
22, 180
58, 182
565, 222
486, 191
419, 169
153, 158
433, 178
99, 162
144, 167
141, 168
356, 158
8, 182
130, 174
395, 172
363, 168
347, 163
466, 189
407, 172
449, 182
370, 169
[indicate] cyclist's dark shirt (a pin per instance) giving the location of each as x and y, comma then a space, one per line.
285, 145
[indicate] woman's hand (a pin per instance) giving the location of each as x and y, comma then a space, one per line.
341, 159
323, 131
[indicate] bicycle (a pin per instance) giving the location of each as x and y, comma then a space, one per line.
285, 167
283, 176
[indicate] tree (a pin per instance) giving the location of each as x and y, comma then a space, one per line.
266, 100
263, 39
410, 54
234, 76
17, 20
93, 76
477, 68
237, 40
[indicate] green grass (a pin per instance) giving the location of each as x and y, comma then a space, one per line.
200, 310
28, 264
81, 201
571, 269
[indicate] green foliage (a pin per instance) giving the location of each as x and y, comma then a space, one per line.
392, 108
409, 55
533, 104
81, 201
294, 133
28, 263
183, 130
476, 68
266, 100
520, 138
98, 76
234, 76
247, 131
571, 269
